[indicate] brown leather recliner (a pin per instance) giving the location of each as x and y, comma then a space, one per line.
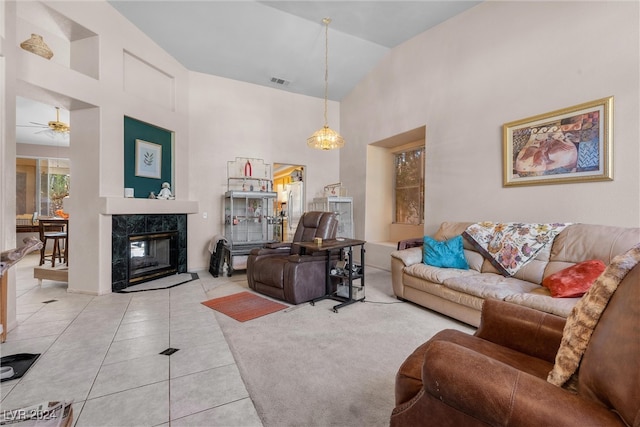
497, 377
280, 271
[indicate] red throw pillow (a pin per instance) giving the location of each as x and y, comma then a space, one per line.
574, 281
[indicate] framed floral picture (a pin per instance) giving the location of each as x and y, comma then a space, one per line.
569, 145
148, 159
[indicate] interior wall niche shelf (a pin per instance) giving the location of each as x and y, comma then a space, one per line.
73, 45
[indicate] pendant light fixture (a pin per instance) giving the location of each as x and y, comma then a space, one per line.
325, 138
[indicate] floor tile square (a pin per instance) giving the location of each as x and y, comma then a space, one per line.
238, 413
142, 406
204, 390
136, 347
200, 358
130, 374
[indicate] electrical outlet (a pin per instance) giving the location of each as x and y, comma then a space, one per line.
204, 215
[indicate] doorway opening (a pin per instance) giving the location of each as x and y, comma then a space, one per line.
289, 182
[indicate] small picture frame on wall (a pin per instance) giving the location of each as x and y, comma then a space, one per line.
148, 159
569, 145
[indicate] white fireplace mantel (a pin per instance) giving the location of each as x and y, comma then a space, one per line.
132, 206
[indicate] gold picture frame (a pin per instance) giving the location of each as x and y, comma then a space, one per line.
569, 145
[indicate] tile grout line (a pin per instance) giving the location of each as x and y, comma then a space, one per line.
93, 383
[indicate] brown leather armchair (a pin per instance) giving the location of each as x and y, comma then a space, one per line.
280, 271
497, 377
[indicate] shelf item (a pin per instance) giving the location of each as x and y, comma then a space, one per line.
36, 45
249, 174
249, 222
343, 206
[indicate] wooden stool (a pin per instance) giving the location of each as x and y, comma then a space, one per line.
53, 230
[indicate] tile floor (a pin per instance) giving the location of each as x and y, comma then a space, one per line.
103, 354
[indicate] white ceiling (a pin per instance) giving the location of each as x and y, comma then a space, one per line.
255, 41
32, 118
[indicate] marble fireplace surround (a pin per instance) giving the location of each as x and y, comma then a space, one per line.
135, 216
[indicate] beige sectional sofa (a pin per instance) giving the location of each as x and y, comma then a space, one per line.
460, 293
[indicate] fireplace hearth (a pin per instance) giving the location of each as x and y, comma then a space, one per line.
147, 247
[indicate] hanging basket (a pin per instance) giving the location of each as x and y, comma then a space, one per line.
36, 45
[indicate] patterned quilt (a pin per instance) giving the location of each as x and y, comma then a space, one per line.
511, 245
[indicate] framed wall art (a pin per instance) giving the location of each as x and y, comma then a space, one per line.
148, 159
569, 145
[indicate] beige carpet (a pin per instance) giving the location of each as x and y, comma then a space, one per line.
309, 366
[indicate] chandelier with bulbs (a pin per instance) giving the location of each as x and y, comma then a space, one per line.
325, 138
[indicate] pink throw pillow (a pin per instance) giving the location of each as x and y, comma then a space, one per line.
574, 281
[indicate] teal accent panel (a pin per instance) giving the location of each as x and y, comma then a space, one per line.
135, 129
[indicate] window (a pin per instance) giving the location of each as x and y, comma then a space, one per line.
409, 186
41, 185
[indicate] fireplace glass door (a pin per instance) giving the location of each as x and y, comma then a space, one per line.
152, 255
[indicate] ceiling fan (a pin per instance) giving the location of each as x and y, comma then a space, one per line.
54, 126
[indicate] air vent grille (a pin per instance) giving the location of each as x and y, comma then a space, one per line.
279, 81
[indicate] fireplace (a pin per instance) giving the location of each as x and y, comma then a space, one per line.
152, 255
146, 247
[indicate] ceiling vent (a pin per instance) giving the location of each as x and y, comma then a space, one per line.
278, 81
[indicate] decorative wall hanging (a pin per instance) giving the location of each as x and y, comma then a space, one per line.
569, 145
36, 45
148, 159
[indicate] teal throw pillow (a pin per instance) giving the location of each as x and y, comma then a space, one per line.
447, 254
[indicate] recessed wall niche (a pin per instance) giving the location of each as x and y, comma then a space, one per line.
73, 45
135, 130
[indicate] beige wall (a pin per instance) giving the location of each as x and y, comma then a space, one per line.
87, 77
495, 63
229, 119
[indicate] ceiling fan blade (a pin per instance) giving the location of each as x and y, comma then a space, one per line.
32, 126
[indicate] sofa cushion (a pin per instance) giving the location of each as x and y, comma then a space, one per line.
436, 274
488, 285
417, 289
574, 281
540, 299
445, 254
408, 256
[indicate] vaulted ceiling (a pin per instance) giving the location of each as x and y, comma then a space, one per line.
262, 41
255, 41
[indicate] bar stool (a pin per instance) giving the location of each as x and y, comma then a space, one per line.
55, 231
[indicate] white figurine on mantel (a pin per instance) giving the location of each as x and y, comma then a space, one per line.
165, 193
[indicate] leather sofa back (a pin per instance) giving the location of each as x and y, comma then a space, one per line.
576, 243
581, 242
315, 224
610, 368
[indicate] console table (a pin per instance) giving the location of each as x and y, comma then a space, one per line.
346, 275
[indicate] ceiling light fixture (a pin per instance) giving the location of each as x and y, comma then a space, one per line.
325, 138
57, 125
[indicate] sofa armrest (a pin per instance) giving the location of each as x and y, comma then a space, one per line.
523, 329
498, 394
408, 256
410, 243
266, 251
318, 256
278, 245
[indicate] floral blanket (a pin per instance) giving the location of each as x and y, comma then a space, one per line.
510, 245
